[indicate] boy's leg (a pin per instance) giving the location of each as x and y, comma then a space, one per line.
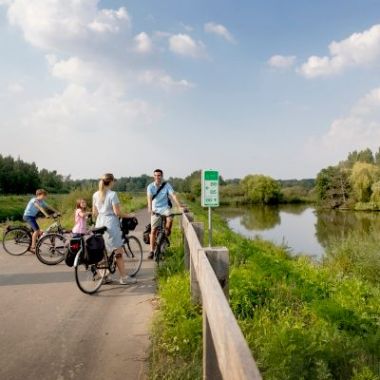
35, 237
36, 230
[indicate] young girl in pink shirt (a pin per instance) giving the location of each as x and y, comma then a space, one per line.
80, 217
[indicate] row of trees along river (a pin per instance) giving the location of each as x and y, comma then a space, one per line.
306, 215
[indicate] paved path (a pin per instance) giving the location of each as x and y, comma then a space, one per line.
50, 330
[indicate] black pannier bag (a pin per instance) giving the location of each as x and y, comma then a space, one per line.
94, 251
146, 234
72, 250
128, 224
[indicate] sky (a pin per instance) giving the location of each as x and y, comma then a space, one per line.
281, 88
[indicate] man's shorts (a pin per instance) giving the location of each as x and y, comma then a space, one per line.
31, 220
155, 219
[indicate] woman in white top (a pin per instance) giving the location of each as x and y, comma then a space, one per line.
106, 208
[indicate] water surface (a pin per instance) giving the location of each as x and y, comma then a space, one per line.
302, 228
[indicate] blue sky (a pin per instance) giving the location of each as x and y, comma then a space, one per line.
282, 88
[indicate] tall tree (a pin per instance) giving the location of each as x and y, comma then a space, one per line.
261, 189
363, 176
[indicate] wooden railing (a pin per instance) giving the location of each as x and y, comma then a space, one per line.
226, 354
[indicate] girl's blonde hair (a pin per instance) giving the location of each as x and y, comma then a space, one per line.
104, 183
79, 201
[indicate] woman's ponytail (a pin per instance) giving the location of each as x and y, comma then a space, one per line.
104, 183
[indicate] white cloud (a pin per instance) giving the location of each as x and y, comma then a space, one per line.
164, 80
188, 28
184, 45
359, 129
57, 25
88, 132
15, 88
219, 30
282, 61
143, 43
78, 109
108, 20
358, 50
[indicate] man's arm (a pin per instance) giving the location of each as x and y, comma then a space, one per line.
149, 200
41, 209
173, 196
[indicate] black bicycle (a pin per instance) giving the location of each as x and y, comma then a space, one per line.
90, 276
162, 240
132, 246
17, 240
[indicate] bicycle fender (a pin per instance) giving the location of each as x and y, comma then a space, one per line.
76, 260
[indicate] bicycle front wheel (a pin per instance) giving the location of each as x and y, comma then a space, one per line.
17, 241
133, 255
50, 249
89, 277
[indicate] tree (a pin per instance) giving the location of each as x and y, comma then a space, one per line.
377, 157
261, 189
363, 176
333, 186
375, 196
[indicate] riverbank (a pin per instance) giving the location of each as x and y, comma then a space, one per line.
301, 320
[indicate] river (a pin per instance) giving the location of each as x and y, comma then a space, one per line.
302, 228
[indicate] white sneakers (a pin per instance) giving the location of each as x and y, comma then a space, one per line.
127, 280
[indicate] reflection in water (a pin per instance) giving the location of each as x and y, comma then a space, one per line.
301, 227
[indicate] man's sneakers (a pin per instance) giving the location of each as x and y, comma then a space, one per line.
151, 255
127, 280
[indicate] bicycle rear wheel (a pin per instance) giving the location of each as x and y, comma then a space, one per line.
89, 277
50, 249
133, 255
17, 241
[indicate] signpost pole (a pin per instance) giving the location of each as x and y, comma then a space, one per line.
210, 195
209, 228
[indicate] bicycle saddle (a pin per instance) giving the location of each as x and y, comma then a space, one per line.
99, 230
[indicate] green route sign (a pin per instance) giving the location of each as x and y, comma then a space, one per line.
210, 188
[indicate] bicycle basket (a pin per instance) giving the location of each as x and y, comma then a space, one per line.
146, 234
128, 224
94, 251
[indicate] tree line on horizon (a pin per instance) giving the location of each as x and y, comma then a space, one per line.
20, 177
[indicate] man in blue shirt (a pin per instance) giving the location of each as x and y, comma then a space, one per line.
158, 204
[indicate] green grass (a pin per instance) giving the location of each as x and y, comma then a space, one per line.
12, 206
176, 348
302, 320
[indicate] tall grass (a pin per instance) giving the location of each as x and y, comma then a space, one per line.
13, 206
176, 347
302, 320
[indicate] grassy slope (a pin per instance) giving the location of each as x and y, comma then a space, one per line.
302, 321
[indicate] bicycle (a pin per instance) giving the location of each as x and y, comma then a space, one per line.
17, 240
162, 240
90, 277
133, 253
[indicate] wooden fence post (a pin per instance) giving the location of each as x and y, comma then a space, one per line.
220, 262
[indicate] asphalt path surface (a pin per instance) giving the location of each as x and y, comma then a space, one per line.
50, 330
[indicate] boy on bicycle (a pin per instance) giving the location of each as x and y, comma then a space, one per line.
35, 205
159, 195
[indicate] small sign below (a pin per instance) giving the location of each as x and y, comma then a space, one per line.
210, 188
